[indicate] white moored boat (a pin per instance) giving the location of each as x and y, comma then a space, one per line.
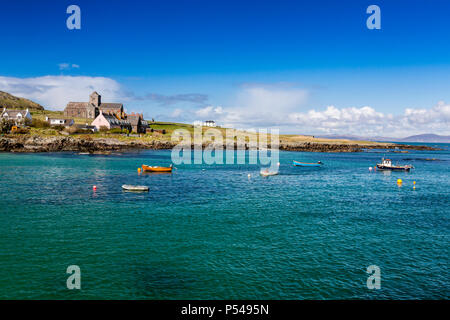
386, 164
266, 173
128, 187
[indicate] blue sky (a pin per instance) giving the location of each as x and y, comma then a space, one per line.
303, 66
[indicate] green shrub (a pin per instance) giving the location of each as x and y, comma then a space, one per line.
22, 131
118, 131
6, 125
37, 123
58, 128
75, 130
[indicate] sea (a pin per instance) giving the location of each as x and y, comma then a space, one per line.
223, 231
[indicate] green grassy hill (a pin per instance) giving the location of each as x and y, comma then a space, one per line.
12, 102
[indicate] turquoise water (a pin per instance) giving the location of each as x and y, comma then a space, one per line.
308, 233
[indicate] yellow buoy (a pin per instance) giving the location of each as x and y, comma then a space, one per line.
139, 170
414, 182
399, 181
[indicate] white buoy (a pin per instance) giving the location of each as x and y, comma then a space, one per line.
370, 168
249, 175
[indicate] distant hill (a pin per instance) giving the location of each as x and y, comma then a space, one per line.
429, 137
358, 138
341, 137
12, 102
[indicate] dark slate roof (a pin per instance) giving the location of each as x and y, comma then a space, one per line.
78, 105
133, 119
109, 105
114, 121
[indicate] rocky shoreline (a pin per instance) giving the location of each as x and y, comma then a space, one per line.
28, 143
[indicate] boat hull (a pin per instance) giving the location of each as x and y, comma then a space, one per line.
146, 168
267, 173
305, 164
392, 168
127, 187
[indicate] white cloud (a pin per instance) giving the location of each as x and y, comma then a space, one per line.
209, 112
54, 92
257, 106
68, 66
265, 99
365, 121
177, 113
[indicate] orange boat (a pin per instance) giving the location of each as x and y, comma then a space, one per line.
146, 168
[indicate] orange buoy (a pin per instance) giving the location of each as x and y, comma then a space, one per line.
139, 170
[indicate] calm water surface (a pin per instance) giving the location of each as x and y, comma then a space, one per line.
210, 232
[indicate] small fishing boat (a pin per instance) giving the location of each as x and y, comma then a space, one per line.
266, 173
128, 187
306, 164
386, 164
146, 168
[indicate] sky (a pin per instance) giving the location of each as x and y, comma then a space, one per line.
306, 67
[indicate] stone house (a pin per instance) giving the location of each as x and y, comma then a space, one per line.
18, 116
138, 124
92, 108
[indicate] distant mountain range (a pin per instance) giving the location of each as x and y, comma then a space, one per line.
428, 137
12, 102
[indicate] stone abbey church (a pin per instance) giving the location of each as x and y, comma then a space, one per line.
92, 108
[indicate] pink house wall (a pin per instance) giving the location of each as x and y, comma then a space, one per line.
100, 121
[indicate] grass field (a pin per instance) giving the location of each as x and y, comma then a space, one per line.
55, 114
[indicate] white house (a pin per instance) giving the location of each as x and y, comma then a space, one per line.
59, 121
209, 123
19, 116
87, 127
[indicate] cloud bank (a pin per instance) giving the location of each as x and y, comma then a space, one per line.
255, 106
366, 121
263, 107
